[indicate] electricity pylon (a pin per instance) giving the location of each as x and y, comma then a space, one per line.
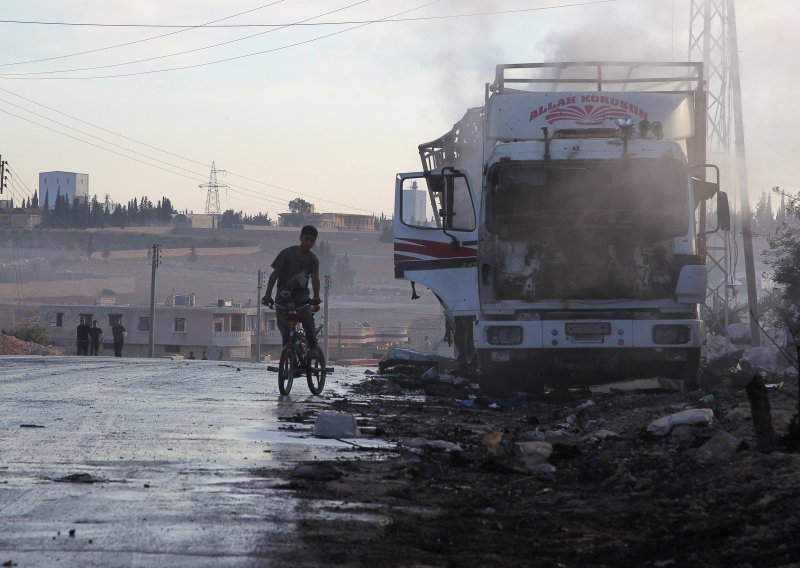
713, 40
212, 196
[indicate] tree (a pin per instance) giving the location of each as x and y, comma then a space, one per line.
325, 256
301, 206
784, 251
96, 213
79, 213
34, 334
343, 272
763, 217
258, 219
35, 201
387, 232
60, 211
229, 219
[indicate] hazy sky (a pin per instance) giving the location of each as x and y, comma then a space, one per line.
329, 119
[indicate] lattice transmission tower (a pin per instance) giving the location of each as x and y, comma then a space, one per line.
212, 195
713, 40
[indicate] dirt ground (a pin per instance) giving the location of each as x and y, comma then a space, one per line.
10, 345
460, 492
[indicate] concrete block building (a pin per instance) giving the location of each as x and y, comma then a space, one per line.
68, 184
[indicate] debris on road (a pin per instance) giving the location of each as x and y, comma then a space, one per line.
411, 362
81, 478
317, 472
335, 425
690, 417
574, 464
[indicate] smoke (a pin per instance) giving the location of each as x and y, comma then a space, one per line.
642, 32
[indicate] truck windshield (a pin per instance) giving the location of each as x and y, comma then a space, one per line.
646, 198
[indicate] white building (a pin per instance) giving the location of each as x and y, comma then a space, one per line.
68, 184
415, 205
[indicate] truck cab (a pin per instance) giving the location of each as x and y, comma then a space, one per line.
589, 256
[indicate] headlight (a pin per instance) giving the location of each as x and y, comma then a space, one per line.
672, 334
504, 335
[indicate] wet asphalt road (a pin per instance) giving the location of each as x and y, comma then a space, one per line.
183, 453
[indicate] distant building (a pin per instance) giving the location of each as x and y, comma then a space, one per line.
18, 217
337, 221
415, 205
195, 220
67, 184
25, 218
228, 329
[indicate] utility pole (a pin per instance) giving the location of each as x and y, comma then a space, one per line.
258, 316
156, 258
2, 174
327, 292
741, 170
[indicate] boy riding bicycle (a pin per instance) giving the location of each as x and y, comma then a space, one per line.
292, 269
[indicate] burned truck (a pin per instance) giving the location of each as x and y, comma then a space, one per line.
562, 224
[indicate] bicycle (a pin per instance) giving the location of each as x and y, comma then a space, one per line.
297, 358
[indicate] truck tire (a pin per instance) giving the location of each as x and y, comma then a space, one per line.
495, 380
464, 341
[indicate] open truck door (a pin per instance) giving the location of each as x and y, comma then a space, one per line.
436, 237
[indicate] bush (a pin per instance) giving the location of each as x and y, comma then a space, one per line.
32, 333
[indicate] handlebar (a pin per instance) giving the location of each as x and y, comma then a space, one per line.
270, 303
314, 305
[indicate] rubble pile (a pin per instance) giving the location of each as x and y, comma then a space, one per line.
651, 476
10, 345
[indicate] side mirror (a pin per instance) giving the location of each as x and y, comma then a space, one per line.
704, 189
723, 211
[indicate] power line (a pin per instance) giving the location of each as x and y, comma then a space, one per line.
192, 175
252, 193
15, 191
112, 65
212, 25
188, 28
12, 190
247, 55
16, 177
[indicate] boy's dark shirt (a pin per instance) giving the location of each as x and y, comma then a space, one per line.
288, 264
95, 333
83, 332
117, 331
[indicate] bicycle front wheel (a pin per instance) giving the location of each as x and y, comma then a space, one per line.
315, 372
286, 369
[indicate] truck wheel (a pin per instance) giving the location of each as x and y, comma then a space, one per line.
465, 345
691, 376
495, 380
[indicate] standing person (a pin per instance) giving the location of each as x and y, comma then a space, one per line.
96, 336
83, 337
119, 332
292, 269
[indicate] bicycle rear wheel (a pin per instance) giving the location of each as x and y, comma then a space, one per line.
286, 369
315, 372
